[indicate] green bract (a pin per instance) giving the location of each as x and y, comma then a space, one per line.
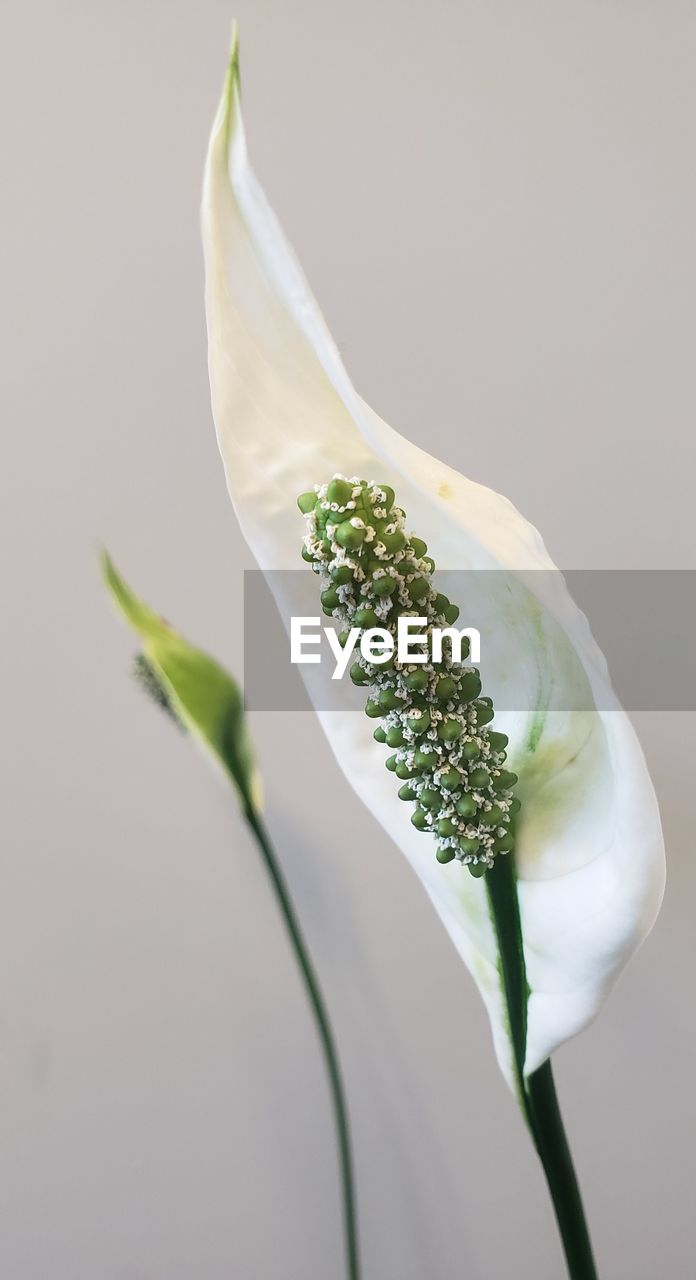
371, 574
201, 695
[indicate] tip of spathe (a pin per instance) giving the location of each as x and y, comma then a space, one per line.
106, 564
232, 79
234, 48
231, 89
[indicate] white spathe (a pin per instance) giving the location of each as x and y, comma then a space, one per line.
590, 855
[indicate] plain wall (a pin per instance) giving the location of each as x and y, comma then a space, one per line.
495, 204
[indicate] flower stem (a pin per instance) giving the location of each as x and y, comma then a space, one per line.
326, 1037
536, 1092
554, 1153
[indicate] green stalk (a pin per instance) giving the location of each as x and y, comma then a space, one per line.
536, 1092
326, 1037
554, 1153
206, 702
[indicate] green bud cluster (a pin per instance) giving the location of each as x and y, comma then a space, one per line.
432, 715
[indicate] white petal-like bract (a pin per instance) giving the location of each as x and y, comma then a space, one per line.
590, 859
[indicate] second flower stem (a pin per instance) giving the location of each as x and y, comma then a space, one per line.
326, 1038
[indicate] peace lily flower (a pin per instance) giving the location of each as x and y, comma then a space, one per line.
207, 704
589, 858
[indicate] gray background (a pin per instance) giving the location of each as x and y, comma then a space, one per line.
495, 204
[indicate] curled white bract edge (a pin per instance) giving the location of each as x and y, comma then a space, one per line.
590, 855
